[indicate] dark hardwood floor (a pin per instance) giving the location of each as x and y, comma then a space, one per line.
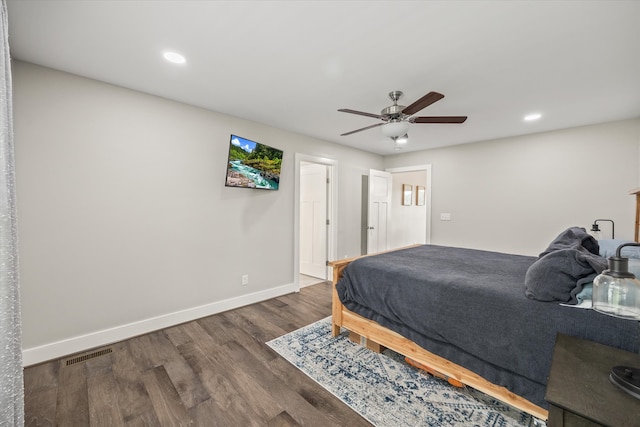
215, 371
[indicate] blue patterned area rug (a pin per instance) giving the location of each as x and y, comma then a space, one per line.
384, 389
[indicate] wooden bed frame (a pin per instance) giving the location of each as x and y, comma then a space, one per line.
377, 337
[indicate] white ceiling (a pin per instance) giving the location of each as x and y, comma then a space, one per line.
293, 64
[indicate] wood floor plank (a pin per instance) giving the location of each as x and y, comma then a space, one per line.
100, 365
103, 400
40, 376
233, 332
152, 350
166, 401
276, 317
320, 292
257, 347
261, 401
283, 419
280, 391
156, 349
211, 415
260, 329
303, 305
217, 327
270, 308
176, 336
133, 399
220, 387
305, 308
72, 400
187, 384
40, 407
143, 419
318, 397
40, 391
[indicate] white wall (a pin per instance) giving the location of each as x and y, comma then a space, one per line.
408, 223
516, 194
125, 224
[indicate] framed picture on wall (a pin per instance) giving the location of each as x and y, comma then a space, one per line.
419, 195
407, 194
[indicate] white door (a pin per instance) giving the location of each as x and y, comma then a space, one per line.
313, 220
380, 185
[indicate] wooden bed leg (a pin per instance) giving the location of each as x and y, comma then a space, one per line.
335, 330
336, 311
365, 342
354, 337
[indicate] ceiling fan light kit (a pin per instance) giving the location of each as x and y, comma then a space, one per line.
395, 129
401, 139
397, 118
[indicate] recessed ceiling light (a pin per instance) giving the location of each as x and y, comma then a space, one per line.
174, 57
532, 117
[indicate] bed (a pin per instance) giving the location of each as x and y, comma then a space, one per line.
486, 319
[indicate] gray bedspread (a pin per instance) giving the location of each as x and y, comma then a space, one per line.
469, 306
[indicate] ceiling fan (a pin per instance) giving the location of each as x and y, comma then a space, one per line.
396, 118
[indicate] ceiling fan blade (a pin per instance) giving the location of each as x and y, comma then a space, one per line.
360, 130
423, 102
439, 119
361, 113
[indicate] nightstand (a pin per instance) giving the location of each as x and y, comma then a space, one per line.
579, 390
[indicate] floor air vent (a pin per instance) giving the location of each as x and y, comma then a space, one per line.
87, 356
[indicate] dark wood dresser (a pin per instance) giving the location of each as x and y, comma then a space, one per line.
579, 390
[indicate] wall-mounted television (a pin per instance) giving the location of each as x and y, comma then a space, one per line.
252, 165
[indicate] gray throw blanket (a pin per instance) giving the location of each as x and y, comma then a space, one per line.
561, 271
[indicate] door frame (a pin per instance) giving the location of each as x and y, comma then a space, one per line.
332, 212
426, 168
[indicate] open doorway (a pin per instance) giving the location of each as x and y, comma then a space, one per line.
396, 208
411, 222
315, 218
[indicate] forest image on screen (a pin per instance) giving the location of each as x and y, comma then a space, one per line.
253, 165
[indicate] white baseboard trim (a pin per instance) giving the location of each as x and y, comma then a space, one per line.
55, 350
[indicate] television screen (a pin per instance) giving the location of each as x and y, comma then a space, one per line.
253, 165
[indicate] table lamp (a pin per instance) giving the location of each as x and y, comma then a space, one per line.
597, 233
616, 292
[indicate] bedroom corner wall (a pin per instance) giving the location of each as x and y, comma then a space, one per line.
124, 221
516, 194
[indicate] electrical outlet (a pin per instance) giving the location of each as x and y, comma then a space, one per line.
245, 279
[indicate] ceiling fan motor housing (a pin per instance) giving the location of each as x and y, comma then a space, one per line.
393, 112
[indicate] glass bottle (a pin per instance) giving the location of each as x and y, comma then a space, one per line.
617, 291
